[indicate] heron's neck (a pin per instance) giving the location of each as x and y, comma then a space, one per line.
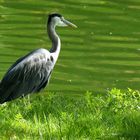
55, 40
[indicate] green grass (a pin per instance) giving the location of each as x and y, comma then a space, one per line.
55, 116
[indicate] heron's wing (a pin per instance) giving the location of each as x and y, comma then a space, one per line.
29, 74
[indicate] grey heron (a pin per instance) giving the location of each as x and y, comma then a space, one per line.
31, 73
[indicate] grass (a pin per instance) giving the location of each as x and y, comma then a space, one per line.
52, 116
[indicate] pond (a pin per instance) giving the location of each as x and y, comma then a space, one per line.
102, 53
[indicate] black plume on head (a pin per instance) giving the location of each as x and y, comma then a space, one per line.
53, 15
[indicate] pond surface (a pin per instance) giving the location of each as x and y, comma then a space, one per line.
104, 52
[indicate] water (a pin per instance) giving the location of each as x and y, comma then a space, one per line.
104, 52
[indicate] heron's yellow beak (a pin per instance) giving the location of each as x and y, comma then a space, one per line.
69, 23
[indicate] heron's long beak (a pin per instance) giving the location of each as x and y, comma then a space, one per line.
69, 23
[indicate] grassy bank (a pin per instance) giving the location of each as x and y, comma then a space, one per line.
52, 116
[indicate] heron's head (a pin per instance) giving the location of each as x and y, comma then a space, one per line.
58, 20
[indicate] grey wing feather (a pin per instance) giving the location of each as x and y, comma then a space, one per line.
29, 75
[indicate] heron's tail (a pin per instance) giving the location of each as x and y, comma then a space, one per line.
2, 97
5, 92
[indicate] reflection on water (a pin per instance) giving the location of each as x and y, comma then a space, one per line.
104, 51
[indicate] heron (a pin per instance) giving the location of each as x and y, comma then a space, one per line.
31, 73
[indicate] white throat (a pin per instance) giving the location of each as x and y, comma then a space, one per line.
56, 53
56, 44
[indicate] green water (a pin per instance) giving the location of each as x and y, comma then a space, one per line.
104, 51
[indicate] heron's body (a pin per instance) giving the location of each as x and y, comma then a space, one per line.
31, 73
